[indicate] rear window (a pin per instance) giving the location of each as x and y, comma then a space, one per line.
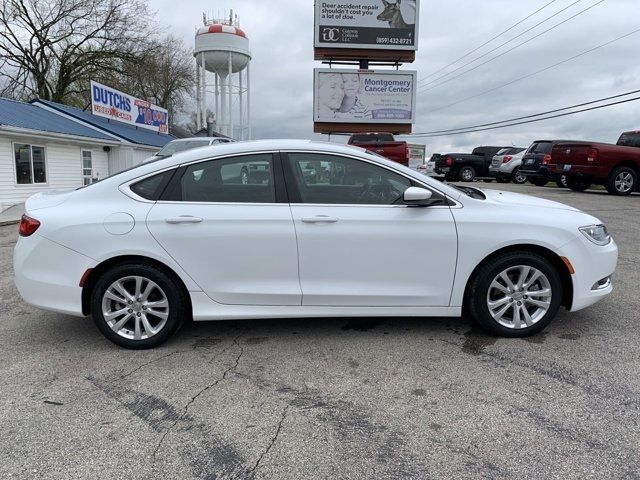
540, 147
515, 151
372, 138
503, 151
629, 140
151, 187
174, 147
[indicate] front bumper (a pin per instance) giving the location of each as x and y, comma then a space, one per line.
47, 275
594, 266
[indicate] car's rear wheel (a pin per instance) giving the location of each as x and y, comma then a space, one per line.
137, 306
518, 177
561, 181
622, 181
578, 184
539, 182
516, 294
467, 174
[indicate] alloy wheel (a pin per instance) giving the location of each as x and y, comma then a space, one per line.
624, 182
135, 308
519, 297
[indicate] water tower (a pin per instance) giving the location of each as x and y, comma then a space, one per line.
222, 49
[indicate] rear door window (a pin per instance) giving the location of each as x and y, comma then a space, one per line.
242, 179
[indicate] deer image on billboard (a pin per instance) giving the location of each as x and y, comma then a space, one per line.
364, 96
367, 24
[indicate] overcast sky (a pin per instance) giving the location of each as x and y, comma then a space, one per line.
281, 36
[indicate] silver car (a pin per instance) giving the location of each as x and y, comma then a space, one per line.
505, 165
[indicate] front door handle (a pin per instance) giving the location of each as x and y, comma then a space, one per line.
183, 219
319, 219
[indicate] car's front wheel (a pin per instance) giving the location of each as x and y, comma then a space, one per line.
137, 306
515, 295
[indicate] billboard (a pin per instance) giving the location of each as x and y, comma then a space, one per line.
364, 96
110, 103
367, 24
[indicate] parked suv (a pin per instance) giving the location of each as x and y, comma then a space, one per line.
505, 165
617, 167
535, 164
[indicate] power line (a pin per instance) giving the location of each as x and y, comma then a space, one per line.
428, 134
452, 130
509, 50
537, 71
504, 43
489, 41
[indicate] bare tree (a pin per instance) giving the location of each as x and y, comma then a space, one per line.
163, 74
50, 48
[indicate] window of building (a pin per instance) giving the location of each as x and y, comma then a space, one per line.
31, 166
87, 167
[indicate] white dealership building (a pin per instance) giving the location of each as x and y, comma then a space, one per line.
46, 145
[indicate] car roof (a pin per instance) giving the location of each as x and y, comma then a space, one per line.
190, 139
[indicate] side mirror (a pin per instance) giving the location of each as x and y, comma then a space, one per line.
417, 196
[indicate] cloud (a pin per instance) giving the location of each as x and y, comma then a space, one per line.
281, 36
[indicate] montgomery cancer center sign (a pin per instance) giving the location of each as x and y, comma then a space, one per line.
364, 96
110, 103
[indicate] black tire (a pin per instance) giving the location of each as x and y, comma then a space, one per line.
502, 180
478, 292
487, 180
516, 178
578, 184
177, 304
539, 182
467, 174
561, 181
618, 174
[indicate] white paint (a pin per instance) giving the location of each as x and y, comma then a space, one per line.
264, 261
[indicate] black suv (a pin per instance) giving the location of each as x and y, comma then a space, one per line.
535, 164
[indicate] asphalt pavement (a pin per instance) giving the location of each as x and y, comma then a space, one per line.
330, 398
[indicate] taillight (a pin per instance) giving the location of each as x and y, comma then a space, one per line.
506, 158
546, 159
592, 155
448, 161
28, 226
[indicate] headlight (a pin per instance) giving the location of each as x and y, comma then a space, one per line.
597, 234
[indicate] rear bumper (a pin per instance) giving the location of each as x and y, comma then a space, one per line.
592, 264
47, 275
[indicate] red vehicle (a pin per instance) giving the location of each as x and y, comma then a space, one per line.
617, 167
383, 144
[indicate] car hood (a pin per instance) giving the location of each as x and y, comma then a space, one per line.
47, 198
512, 198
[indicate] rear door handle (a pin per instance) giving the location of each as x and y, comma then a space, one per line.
183, 219
319, 219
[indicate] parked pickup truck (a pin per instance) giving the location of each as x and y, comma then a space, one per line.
383, 144
466, 166
617, 167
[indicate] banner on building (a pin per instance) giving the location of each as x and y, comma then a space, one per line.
110, 103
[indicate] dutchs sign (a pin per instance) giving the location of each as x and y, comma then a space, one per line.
110, 103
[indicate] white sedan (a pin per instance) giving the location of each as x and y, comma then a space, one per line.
322, 230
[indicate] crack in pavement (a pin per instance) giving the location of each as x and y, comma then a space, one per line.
149, 363
193, 399
252, 470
